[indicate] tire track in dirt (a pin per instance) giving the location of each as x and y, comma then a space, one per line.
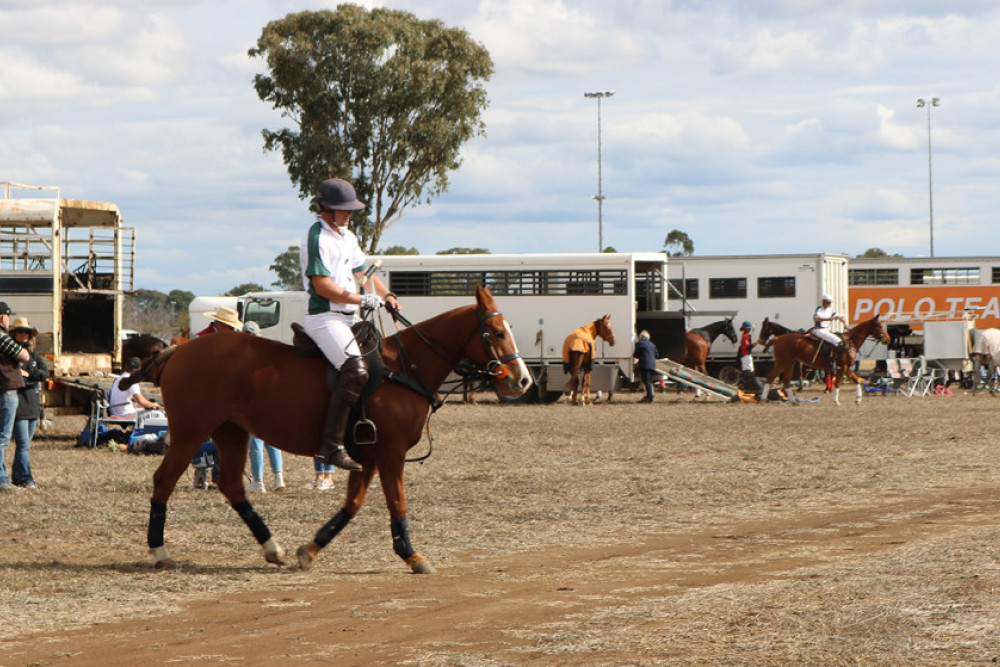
489, 606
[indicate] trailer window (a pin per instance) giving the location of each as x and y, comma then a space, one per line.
862, 277
783, 286
968, 276
684, 287
996, 275
508, 283
727, 288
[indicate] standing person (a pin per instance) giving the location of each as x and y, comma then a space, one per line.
222, 319
12, 354
257, 447
332, 264
206, 459
29, 408
646, 355
324, 476
746, 345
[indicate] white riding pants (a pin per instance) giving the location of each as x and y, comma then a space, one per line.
746, 363
332, 332
826, 335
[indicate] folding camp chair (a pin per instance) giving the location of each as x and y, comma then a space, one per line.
99, 415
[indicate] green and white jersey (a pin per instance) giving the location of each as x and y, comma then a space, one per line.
337, 254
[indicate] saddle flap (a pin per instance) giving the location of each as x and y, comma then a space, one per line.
303, 343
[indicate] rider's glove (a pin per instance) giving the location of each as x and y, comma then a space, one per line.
370, 301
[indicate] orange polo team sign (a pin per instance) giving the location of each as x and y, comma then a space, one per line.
924, 302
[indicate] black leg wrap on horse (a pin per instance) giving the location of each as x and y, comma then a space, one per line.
157, 519
253, 521
329, 531
401, 538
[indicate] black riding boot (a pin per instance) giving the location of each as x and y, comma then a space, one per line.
353, 376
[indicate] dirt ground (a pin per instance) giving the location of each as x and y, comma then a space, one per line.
684, 532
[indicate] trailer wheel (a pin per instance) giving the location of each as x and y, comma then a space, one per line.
730, 374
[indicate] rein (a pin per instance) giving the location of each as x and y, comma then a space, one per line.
466, 369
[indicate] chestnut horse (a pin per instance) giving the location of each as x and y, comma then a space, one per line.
228, 385
697, 342
578, 356
769, 329
792, 347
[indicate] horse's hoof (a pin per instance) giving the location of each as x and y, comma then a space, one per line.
306, 555
273, 552
161, 561
420, 565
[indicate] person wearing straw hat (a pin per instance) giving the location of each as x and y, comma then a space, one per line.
223, 319
332, 265
29, 409
12, 355
258, 447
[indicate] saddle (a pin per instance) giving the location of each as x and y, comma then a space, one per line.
825, 347
360, 430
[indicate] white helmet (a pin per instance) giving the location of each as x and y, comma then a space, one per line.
826, 297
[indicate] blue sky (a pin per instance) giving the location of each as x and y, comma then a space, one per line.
769, 126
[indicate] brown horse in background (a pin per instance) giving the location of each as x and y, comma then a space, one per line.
144, 346
697, 342
578, 356
228, 385
810, 351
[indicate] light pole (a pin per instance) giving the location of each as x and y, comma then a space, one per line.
922, 103
600, 194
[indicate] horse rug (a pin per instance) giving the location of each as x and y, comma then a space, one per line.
581, 340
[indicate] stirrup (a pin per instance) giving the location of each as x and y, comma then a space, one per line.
365, 432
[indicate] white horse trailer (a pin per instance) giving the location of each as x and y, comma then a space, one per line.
783, 288
545, 297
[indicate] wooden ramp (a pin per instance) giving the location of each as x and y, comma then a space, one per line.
676, 372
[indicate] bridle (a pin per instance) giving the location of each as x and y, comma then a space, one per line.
494, 369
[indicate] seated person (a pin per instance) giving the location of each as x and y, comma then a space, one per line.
124, 403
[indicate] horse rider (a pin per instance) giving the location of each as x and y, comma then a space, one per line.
332, 264
822, 317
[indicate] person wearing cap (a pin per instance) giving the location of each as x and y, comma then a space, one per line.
645, 357
332, 265
124, 403
12, 355
222, 319
822, 317
746, 345
29, 409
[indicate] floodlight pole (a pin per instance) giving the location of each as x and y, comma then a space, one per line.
600, 194
932, 102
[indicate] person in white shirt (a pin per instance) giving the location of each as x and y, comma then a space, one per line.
822, 317
332, 262
123, 403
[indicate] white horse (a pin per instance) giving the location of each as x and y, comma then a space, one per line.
985, 354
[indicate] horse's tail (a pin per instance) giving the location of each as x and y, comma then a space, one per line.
151, 370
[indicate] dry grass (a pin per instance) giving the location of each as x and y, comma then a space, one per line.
745, 534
